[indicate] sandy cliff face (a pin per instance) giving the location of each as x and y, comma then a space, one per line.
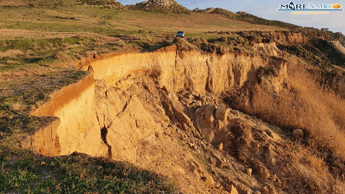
178, 70
128, 109
46, 140
78, 129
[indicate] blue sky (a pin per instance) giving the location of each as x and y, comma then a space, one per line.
267, 9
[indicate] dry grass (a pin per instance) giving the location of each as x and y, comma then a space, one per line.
311, 170
11, 53
307, 105
12, 3
116, 22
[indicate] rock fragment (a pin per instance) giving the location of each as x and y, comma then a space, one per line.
263, 171
297, 133
231, 189
271, 190
268, 190
244, 189
220, 147
221, 113
249, 171
265, 190
213, 161
193, 146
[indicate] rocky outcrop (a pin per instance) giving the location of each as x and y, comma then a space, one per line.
164, 6
267, 48
339, 46
164, 3
273, 78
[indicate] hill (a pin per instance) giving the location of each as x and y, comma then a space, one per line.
246, 17
161, 6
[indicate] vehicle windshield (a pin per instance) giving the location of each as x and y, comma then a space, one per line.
180, 32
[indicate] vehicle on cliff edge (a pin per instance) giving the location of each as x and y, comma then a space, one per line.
180, 34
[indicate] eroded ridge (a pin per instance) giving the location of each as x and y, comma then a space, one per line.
167, 111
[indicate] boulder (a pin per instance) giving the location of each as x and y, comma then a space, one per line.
175, 109
221, 113
263, 171
205, 118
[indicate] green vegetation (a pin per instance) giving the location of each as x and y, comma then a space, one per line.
322, 54
246, 17
35, 89
20, 54
335, 57
270, 70
78, 173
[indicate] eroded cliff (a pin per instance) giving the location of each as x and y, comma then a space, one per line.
163, 111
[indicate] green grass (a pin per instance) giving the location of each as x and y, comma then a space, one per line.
112, 21
36, 89
78, 173
308, 54
39, 44
42, 52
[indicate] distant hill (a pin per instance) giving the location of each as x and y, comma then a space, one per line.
161, 6
229, 14
100, 2
246, 17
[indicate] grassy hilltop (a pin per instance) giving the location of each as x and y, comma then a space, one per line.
40, 41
